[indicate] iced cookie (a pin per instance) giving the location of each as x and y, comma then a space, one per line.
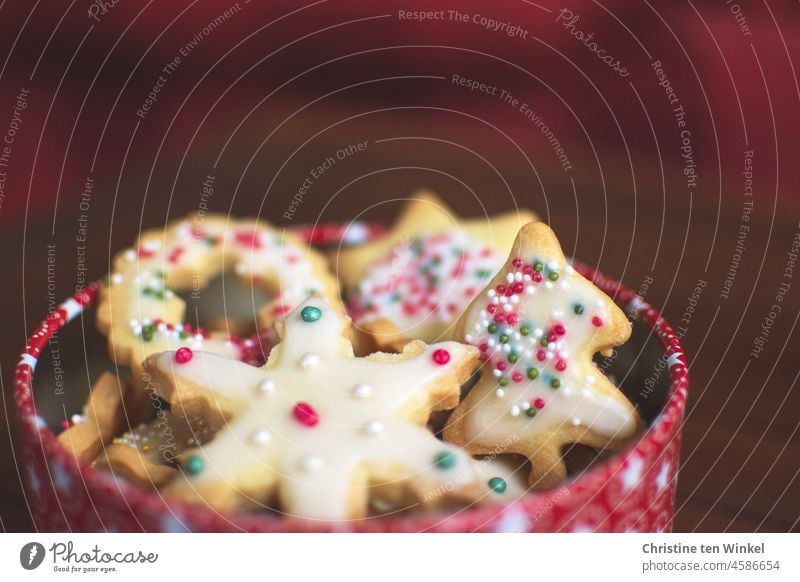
317, 430
141, 314
415, 281
537, 325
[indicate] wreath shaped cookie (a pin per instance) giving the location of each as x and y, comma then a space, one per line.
141, 314
537, 325
415, 281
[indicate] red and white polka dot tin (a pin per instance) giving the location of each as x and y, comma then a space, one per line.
634, 490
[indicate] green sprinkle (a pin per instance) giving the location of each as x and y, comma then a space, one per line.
503, 382
396, 297
147, 332
553, 276
183, 334
193, 465
544, 341
533, 373
524, 330
310, 314
210, 241
512, 358
503, 338
531, 412
147, 291
537, 266
492, 327
483, 273
555, 383
445, 460
107, 280
578, 308
497, 484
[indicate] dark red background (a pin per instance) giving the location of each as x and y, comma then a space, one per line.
279, 87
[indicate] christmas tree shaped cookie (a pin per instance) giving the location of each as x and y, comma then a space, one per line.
318, 431
537, 325
415, 281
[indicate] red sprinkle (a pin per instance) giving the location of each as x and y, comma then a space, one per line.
517, 376
512, 319
491, 308
183, 355
248, 239
538, 403
501, 365
305, 414
441, 356
500, 318
559, 329
541, 355
144, 253
483, 347
561, 365
527, 270
175, 255
517, 263
537, 276
518, 287
596, 321
501, 289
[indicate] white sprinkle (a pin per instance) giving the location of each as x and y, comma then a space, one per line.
552, 265
510, 277
162, 326
240, 268
586, 392
569, 270
309, 361
507, 307
116, 278
566, 391
374, 427
169, 294
557, 313
600, 303
504, 299
514, 299
261, 437
130, 255
548, 284
590, 379
312, 463
468, 337
538, 332
530, 290
497, 373
507, 348
551, 346
491, 293
526, 278
525, 405
515, 410
362, 390
576, 422
499, 392
491, 343
517, 276
267, 386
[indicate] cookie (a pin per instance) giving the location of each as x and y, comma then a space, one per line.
537, 325
141, 313
106, 414
415, 281
148, 454
317, 430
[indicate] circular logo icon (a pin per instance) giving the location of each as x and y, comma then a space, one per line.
31, 555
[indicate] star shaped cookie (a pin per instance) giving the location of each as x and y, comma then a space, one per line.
537, 325
318, 431
415, 281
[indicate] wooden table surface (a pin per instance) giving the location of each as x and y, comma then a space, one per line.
741, 451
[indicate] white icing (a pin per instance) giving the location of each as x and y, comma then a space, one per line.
316, 466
